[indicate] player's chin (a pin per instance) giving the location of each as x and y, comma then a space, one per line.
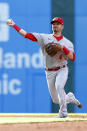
55, 31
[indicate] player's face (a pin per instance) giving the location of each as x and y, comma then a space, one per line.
57, 27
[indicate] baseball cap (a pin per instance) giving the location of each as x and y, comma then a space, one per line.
57, 19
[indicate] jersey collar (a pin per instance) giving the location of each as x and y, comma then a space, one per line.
58, 38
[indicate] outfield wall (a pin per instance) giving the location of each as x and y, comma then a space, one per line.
81, 53
23, 86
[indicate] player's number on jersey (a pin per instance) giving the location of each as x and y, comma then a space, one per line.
4, 15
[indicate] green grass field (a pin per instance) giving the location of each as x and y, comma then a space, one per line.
14, 118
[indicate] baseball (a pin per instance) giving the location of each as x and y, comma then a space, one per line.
9, 20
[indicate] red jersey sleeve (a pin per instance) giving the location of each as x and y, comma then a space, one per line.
30, 36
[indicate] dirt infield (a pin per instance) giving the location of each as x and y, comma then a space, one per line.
57, 126
79, 125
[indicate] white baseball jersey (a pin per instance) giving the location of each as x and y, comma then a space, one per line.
60, 58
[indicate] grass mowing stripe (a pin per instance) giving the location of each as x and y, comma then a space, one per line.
19, 118
12, 120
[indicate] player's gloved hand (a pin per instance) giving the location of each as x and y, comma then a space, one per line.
10, 22
52, 48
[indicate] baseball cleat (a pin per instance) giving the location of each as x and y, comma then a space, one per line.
80, 105
73, 100
62, 116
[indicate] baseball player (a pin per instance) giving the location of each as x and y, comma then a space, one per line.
56, 51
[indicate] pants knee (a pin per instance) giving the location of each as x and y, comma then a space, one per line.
61, 101
61, 95
56, 101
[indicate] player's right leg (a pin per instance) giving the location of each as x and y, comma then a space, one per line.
51, 77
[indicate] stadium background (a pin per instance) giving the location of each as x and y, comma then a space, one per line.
23, 87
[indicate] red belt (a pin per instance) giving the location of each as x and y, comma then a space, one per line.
55, 69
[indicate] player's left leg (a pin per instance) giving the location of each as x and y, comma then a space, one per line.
70, 98
61, 79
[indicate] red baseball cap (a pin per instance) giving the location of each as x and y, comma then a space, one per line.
57, 19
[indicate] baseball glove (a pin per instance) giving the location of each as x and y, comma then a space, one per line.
52, 48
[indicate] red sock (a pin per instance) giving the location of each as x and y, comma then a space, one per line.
16, 28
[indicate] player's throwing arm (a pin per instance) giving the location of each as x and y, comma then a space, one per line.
22, 32
10, 22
